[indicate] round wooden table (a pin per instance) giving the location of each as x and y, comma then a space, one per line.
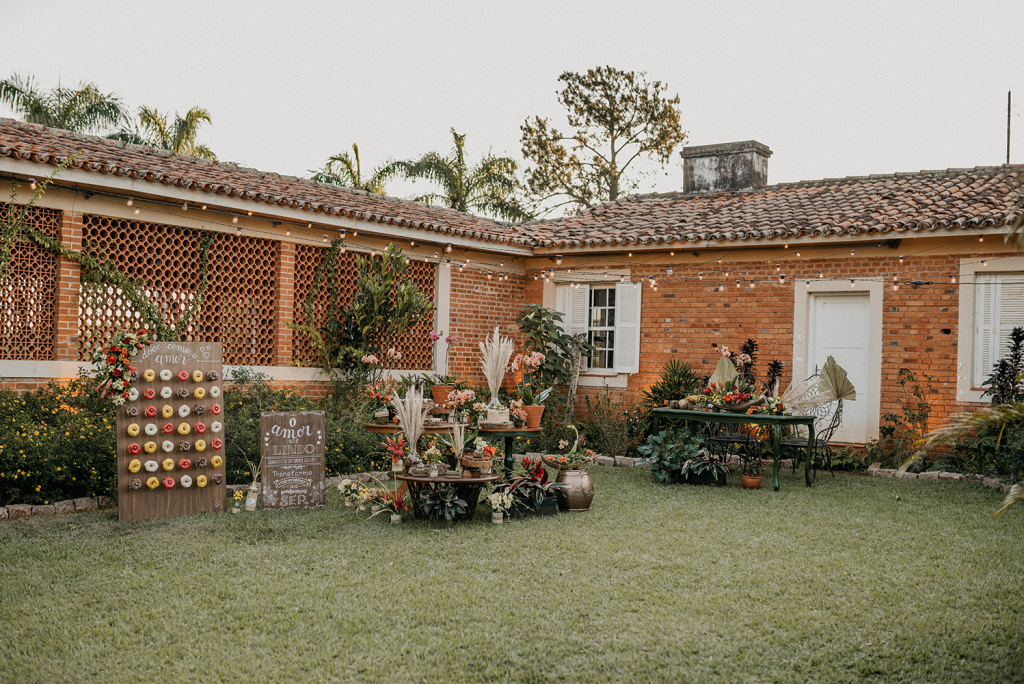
394, 428
509, 436
467, 488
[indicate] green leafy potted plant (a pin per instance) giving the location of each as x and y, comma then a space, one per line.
528, 367
750, 467
532, 494
442, 505
681, 456
578, 492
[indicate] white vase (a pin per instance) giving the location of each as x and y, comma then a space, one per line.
250, 500
497, 517
348, 501
396, 518
375, 509
362, 507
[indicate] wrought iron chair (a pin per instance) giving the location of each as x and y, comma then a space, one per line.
725, 436
826, 422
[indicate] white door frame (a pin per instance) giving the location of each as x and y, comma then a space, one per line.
801, 338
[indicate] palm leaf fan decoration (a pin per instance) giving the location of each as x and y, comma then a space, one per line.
835, 383
725, 371
494, 355
801, 397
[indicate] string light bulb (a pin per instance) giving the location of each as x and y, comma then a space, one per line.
184, 207
558, 259
798, 252
808, 284
751, 284
852, 284
778, 267
288, 231
901, 259
669, 270
488, 275
895, 286
622, 278
737, 284
700, 276
136, 211
204, 207
952, 279
325, 237
238, 231
129, 203
984, 262
721, 287
782, 278
250, 213
630, 254
852, 252
33, 185
820, 274
234, 219
448, 248
981, 238
719, 261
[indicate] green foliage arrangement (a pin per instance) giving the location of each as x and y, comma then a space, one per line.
673, 453
902, 429
442, 504
542, 332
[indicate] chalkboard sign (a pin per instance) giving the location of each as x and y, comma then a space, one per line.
170, 436
292, 469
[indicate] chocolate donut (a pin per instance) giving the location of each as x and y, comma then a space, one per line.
132, 411
185, 446
212, 375
218, 478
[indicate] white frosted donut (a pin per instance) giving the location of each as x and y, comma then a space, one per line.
215, 426
184, 410
133, 394
152, 466
215, 391
168, 445
165, 375
166, 393
151, 429
186, 481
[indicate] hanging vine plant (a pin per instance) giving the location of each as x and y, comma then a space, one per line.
16, 226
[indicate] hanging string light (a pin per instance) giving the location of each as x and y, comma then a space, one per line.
700, 276
238, 231
669, 270
808, 284
984, 262
751, 284
558, 259
798, 252
952, 279
129, 203
901, 259
782, 278
184, 207
325, 237
136, 211
820, 274
737, 284
33, 185
288, 231
448, 248
852, 284
234, 219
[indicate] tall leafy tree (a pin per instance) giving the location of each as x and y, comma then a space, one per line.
82, 109
490, 187
616, 116
180, 135
345, 170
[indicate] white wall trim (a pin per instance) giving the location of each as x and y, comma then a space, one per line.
965, 324
801, 337
618, 381
442, 315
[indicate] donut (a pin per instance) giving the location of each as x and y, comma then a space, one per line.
200, 428
166, 393
152, 483
148, 375
133, 429
135, 466
184, 410
168, 464
184, 464
151, 429
131, 411
136, 483
185, 445
169, 482
216, 443
216, 462
186, 481
201, 463
198, 409
215, 391
150, 393
201, 481
134, 449
152, 466
149, 447
212, 376
215, 409
150, 410
215, 426
218, 478
200, 393
167, 411
166, 375
168, 428
184, 429
133, 394
200, 445
168, 447
182, 393
197, 376
183, 375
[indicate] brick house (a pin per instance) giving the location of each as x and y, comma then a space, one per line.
883, 272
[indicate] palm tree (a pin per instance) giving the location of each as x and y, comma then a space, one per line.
490, 187
341, 169
179, 136
83, 109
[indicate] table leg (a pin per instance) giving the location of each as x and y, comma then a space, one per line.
777, 449
810, 450
509, 461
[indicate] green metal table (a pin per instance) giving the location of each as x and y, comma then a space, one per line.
509, 436
776, 423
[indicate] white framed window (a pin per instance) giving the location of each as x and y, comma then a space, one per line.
609, 315
998, 309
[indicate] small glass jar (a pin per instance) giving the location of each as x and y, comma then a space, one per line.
397, 465
433, 470
396, 518
250, 499
497, 517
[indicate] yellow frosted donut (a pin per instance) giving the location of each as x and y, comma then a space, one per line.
133, 429
201, 481
135, 466
150, 447
200, 445
167, 411
197, 376
168, 464
148, 375
216, 462
152, 483
184, 429
200, 393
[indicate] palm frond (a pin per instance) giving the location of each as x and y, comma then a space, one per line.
725, 371
801, 397
1016, 494
963, 423
835, 383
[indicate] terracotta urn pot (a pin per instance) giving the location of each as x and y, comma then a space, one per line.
752, 481
440, 393
534, 412
579, 492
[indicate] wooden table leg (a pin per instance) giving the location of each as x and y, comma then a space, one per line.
810, 450
777, 448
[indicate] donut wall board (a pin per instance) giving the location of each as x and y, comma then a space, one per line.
170, 433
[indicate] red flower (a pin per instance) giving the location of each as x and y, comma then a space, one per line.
116, 373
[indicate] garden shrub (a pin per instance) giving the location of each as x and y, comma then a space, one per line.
902, 428
610, 427
669, 450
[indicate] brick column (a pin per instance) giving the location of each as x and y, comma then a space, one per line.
69, 290
285, 303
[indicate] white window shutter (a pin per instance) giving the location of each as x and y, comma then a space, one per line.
579, 309
562, 305
983, 328
627, 328
1011, 310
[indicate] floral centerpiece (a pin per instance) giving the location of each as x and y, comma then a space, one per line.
350, 490
574, 459
380, 393
395, 505
113, 364
494, 355
397, 452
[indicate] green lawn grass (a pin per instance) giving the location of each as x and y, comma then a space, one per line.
857, 579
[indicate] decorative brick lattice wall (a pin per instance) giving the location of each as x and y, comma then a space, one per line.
240, 303
28, 294
417, 351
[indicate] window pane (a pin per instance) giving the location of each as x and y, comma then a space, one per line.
611, 297
598, 318
599, 297
611, 318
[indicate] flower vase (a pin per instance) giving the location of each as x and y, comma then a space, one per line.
348, 502
375, 509
251, 499
433, 470
362, 508
236, 508
396, 518
534, 412
397, 465
497, 517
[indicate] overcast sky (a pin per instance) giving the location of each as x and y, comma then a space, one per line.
833, 88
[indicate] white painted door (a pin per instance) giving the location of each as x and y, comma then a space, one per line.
839, 328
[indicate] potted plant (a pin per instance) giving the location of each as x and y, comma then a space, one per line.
350, 491
528, 365
578, 492
442, 385
681, 456
395, 505
532, 494
442, 505
500, 502
494, 355
518, 413
397, 451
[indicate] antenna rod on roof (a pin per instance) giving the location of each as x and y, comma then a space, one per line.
1008, 94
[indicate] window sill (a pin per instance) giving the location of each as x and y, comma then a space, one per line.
604, 379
